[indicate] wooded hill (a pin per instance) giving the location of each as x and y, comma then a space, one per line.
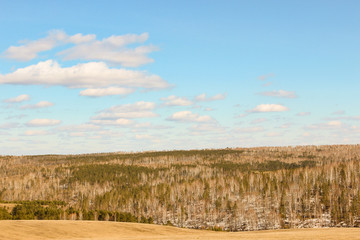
227, 189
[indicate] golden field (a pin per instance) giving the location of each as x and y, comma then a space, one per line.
92, 230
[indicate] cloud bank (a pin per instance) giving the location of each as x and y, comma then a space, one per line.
113, 49
82, 75
30, 50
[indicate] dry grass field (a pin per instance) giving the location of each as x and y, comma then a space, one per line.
90, 230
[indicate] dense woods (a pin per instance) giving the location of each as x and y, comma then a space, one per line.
227, 189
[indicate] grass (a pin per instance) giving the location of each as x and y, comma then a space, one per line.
90, 230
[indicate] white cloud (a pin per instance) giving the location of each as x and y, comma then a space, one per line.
285, 125
306, 134
258, 120
176, 101
143, 136
273, 134
77, 134
99, 92
349, 118
269, 108
79, 38
280, 93
204, 98
266, 76
207, 128
42, 104
136, 110
328, 125
188, 116
249, 130
83, 75
115, 122
340, 112
43, 122
113, 50
8, 125
242, 115
79, 128
143, 126
55, 38
35, 133
20, 98
300, 114
267, 84
334, 123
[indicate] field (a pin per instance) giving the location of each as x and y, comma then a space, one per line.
91, 230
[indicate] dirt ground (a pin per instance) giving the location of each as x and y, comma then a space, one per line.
91, 230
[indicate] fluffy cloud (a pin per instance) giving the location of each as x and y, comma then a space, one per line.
97, 77
84, 75
113, 50
99, 92
204, 98
35, 133
42, 104
176, 101
269, 108
30, 50
79, 38
334, 123
42, 122
136, 110
20, 98
280, 93
188, 116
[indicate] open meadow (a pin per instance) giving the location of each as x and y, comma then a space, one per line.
71, 230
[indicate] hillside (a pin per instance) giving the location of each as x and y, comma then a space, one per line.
227, 189
91, 230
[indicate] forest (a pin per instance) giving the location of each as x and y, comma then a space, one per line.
220, 189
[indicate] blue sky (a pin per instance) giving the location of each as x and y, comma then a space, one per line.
91, 76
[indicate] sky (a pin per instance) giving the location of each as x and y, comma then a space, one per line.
126, 76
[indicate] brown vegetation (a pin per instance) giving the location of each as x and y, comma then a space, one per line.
77, 230
229, 189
